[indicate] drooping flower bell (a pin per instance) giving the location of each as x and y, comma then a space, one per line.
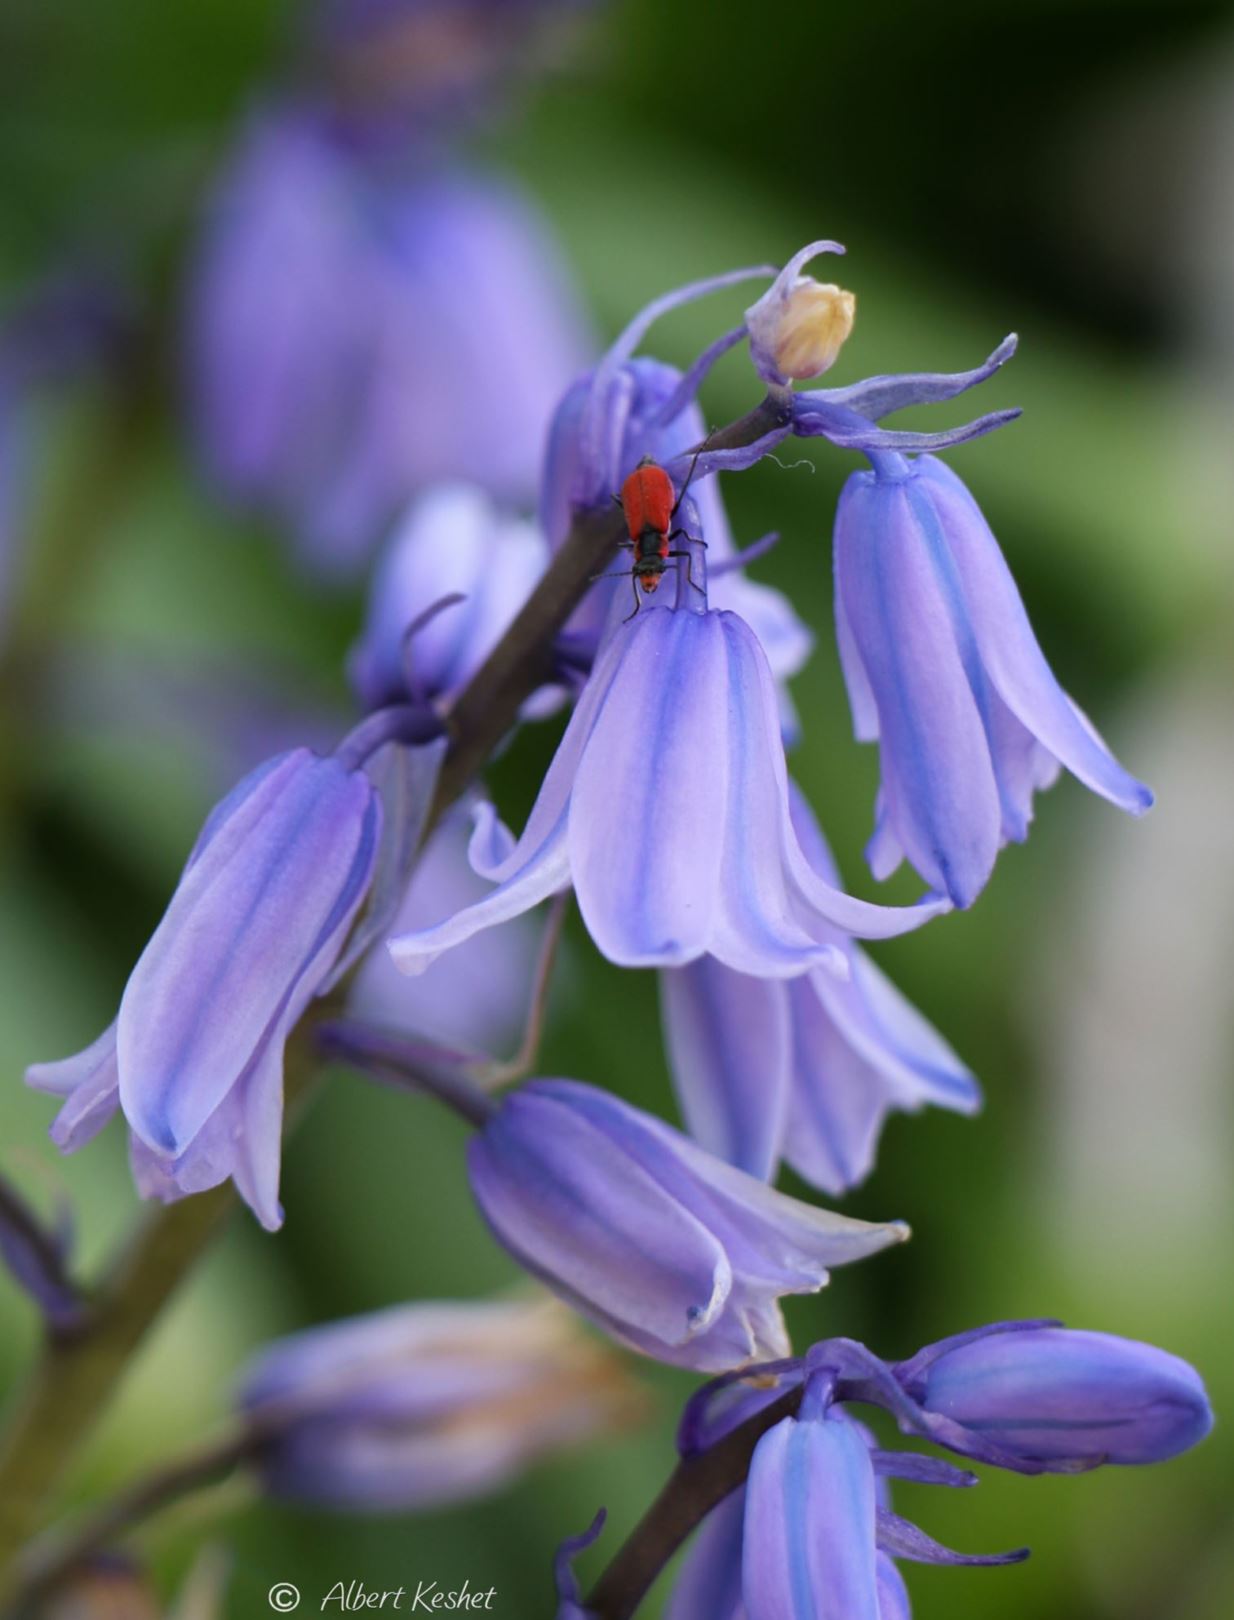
452, 542
666, 806
629, 407
326, 399
422, 1405
195, 1057
667, 1248
944, 671
805, 1069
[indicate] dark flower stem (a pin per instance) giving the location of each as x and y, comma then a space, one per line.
697, 1484
56, 1555
72, 1382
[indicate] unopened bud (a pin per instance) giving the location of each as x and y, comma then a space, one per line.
799, 325
814, 323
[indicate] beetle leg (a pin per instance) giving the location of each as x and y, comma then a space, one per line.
690, 579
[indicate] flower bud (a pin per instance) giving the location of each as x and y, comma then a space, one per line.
1060, 1400
799, 325
805, 335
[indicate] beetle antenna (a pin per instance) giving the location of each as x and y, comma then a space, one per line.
690, 475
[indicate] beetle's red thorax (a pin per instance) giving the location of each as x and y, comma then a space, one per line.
647, 501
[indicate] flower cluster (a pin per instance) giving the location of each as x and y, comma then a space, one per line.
352, 405
811, 1531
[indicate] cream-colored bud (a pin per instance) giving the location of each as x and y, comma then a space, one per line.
814, 321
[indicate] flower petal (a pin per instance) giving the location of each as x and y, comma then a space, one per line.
808, 1548
1009, 649
727, 1038
646, 832
941, 795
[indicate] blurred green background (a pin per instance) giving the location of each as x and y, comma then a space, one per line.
1061, 169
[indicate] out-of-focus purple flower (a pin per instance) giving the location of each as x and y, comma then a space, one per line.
670, 1250
425, 336
944, 671
666, 806
1046, 1399
452, 542
808, 1545
37, 1255
477, 999
420, 68
195, 1057
427, 1404
67, 325
805, 1069
799, 325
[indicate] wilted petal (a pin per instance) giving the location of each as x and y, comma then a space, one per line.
426, 1404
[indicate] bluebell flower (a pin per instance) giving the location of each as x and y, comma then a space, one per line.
422, 1405
475, 1000
631, 406
944, 671
418, 69
452, 542
1040, 1398
809, 1531
666, 806
195, 1057
817, 1524
327, 398
805, 1069
673, 1252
